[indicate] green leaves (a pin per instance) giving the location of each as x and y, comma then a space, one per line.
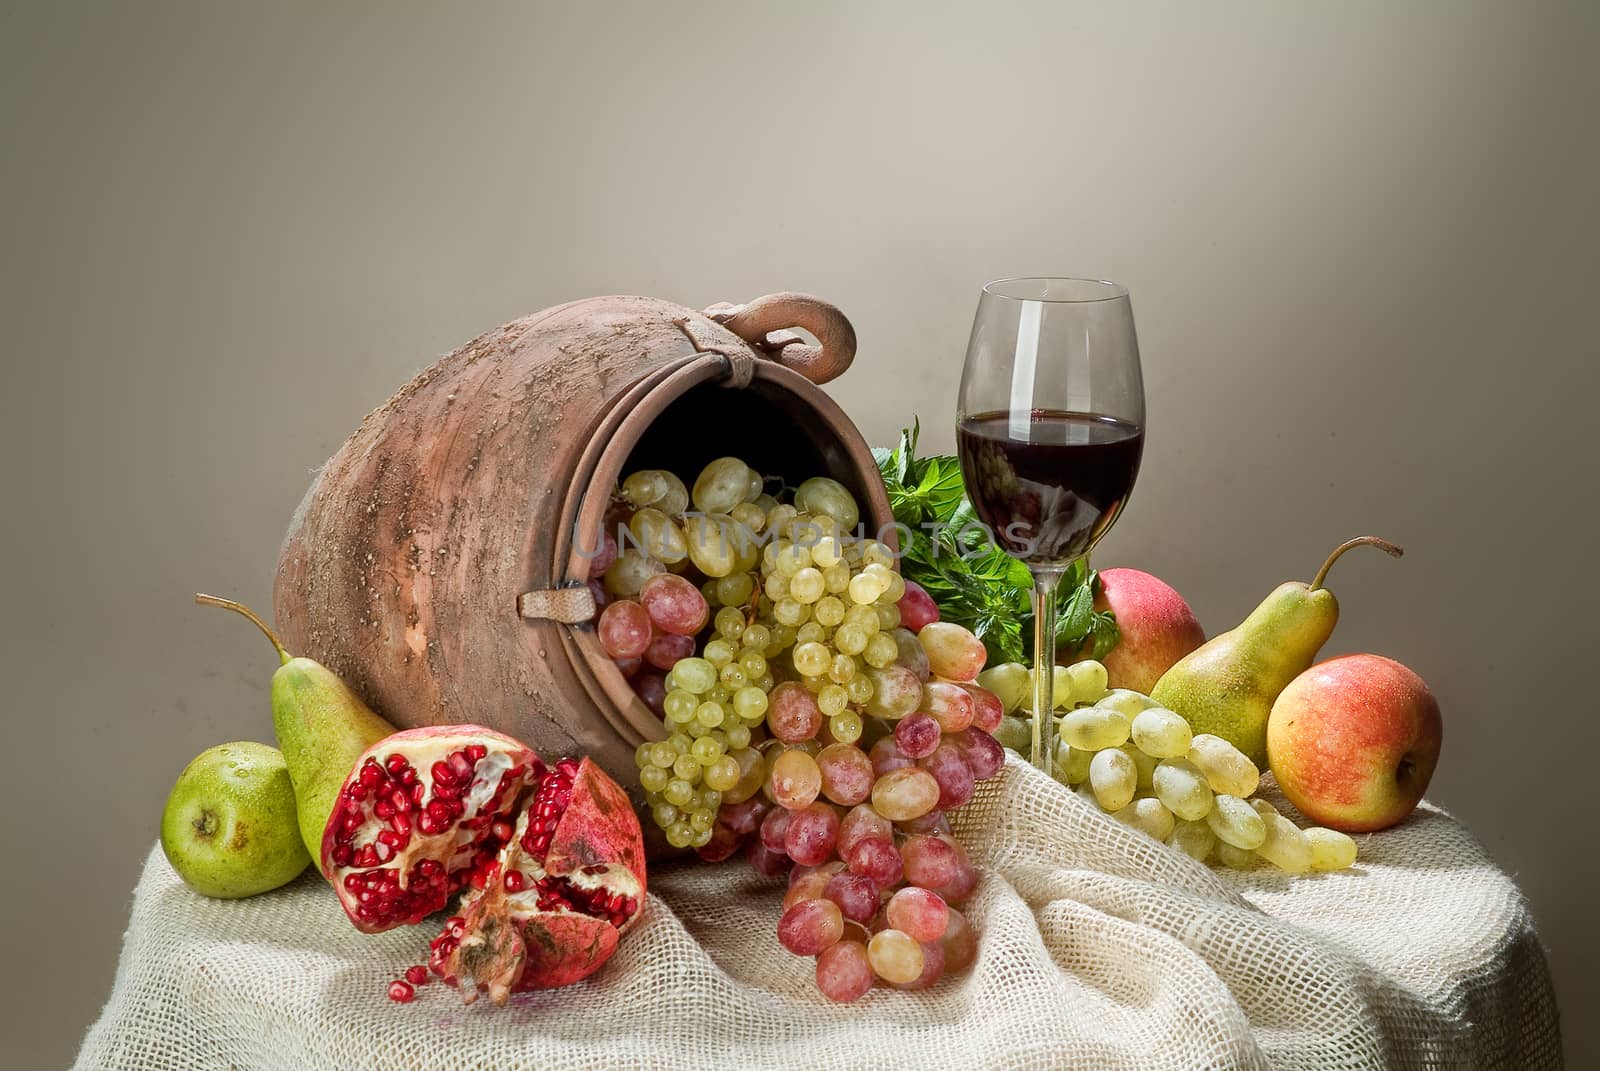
975, 583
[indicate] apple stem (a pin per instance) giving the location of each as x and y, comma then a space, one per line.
241, 608
1359, 541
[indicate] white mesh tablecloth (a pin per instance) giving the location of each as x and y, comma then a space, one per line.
1100, 949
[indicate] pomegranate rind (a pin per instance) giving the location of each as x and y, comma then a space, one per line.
599, 828
450, 737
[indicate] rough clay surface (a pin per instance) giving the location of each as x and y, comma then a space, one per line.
1099, 949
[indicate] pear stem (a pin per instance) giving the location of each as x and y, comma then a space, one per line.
241, 608
1360, 541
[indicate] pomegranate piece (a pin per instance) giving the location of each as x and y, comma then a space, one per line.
551, 858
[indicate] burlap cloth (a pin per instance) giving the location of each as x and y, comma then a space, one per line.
1099, 949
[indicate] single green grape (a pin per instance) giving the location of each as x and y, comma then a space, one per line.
729, 623
832, 699
733, 676
678, 792
662, 755
846, 727
653, 778
811, 659
641, 755
843, 667
750, 703
811, 632
664, 814
828, 611
738, 737
881, 650
684, 768
754, 664
756, 637
695, 675
706, 750
860, 688
850, 639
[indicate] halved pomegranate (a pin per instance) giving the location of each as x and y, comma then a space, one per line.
552, 858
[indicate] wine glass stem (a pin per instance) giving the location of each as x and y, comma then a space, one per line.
1045, 583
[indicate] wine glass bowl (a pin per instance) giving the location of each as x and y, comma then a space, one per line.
1050, 431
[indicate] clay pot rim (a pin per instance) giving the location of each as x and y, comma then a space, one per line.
612, 441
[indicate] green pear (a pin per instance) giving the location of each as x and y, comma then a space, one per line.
322, 726
230, 827
1227, 685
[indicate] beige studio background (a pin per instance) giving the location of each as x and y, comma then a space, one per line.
1360, 238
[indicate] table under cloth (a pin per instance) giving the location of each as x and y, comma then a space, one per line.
1099, 949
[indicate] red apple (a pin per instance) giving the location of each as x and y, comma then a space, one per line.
1353, 742
1157, 627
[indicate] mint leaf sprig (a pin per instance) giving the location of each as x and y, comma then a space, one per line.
975, 583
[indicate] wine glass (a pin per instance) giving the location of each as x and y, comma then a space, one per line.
1050, 428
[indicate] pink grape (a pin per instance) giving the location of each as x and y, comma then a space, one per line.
856, 895
932, 967
932, 822
606, 555
862, 823
912, 656
844, 973
744, 817
919, 912
810, 926
674, 604
895, 957
809, 886
959, 942
767, 863
773, 829
930, 862
827, 870
886, 757
624, 629
987, 710
965, 880
917, 607
723, 843
651, 687
878, 860
792, 713
896, 692
953, 652
917, 735
847, 774
811, 834
903, 794
666, 648
982, 752
948, 704
795, 779
629, 666
953, 774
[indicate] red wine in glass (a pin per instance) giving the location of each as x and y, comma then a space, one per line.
1048, 483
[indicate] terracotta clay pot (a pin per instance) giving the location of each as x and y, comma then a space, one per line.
436, 563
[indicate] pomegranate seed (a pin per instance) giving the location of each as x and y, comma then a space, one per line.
476, 752
417, 975
401, 992
341, 855
461, 766
401, 823
515, 881
401, 801
501, 829
371, 775
384, 851
383, 809
395, 763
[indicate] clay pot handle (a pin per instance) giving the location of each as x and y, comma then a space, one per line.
761, 323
